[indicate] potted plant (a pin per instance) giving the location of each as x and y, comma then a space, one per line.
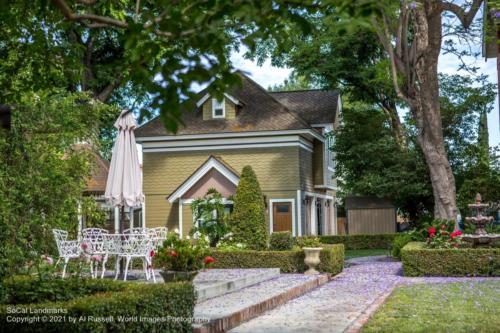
312, 249
180, 259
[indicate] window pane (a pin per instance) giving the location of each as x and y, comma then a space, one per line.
282, 208
219, 112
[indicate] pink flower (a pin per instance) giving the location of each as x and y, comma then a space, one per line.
48, 259
172, 253
152, 253
84, 246
97, 258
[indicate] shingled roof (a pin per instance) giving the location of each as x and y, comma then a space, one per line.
314, 106
261, 111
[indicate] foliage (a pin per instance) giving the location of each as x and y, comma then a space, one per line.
104, 299
356, 242
43, 172
210, 217
455, 307
442, 234
93, 214
399, 242
309, 241
418, 260
141, 55
332, 259
365, 253
293, 83
370, 161
281, 241
248, 220
181, 255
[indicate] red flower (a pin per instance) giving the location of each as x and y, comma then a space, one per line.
455, 233
431, 230
172, 253
208, 260
152, 253
84, 246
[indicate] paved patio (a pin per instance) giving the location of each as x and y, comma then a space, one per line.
343, 304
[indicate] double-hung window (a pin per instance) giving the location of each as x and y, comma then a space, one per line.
218, 108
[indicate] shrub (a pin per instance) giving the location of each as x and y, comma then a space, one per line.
418, 260
399, 242
332, 260
357, 242
281, 241
158, 304
211, 217
308, 242
248, 220
180, 254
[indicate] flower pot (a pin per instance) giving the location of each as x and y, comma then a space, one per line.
174, 276
312, 259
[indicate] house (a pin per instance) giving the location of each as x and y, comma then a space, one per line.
282, 135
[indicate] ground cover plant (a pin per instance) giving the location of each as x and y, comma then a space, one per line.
456, 307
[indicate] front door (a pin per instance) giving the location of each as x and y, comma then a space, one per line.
282, 216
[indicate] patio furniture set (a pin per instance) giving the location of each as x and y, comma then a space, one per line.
99, 245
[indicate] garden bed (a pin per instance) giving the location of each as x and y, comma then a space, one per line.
332, 259
82, 305
421, 261
356, 242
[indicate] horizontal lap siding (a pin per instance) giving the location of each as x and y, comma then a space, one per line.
276, 169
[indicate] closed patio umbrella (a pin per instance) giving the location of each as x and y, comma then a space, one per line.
124, 184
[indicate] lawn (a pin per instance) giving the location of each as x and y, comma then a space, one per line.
365, 253
456, 307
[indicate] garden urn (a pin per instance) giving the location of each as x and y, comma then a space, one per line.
312, 259
175, 276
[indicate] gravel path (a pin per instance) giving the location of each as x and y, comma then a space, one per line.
343, 304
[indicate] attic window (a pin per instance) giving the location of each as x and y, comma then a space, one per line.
218, 108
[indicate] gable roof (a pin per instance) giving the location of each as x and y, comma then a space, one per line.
314, 106
258, 110
212, 162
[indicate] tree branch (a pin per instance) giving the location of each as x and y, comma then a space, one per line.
465, 18
68, 13
106, 92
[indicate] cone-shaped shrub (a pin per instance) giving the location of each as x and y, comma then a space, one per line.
248, 220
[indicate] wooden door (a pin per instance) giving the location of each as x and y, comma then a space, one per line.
282, 216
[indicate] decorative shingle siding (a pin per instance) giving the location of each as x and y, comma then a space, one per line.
276, 168
229, 106
306, 170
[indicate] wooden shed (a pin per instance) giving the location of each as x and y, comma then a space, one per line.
370, 215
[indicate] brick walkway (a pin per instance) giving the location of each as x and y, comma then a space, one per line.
341, 305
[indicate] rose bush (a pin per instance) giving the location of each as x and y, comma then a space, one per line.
441, 234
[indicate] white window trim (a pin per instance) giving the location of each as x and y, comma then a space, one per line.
271, 202
207, 96
214, 101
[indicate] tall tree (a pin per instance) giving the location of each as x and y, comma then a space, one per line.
412, 34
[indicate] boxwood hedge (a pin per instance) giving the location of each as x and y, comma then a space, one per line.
421, 261
332, 259
357, 242
98, 306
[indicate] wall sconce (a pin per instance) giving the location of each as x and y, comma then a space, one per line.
305, 201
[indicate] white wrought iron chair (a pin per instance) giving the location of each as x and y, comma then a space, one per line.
94, 238
68, 249
112, 247
158, 235
136, 246
135, 231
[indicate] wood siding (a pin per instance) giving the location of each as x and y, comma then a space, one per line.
318, 163
276, 168
371, 221
306, 170
230, 109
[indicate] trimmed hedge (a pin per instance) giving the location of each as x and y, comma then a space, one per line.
162, 307
332, 260
281, 241
358, 242
421, 261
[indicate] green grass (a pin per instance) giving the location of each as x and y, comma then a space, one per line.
365, 253
456, 307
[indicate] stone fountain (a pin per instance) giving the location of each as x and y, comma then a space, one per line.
480, 236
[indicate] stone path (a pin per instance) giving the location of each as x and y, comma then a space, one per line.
343, 304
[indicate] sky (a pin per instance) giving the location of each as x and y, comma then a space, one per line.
268, 75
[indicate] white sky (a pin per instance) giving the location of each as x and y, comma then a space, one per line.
268, 75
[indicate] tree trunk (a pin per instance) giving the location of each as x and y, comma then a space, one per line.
397, 129
427, 113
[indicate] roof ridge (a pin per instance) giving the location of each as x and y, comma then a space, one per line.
303, 90
293, 114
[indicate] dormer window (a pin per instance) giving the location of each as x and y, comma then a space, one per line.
218, 108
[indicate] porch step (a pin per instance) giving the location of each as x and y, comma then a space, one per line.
216, 282
222, 313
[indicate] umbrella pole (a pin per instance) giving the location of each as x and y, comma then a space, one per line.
122, 221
